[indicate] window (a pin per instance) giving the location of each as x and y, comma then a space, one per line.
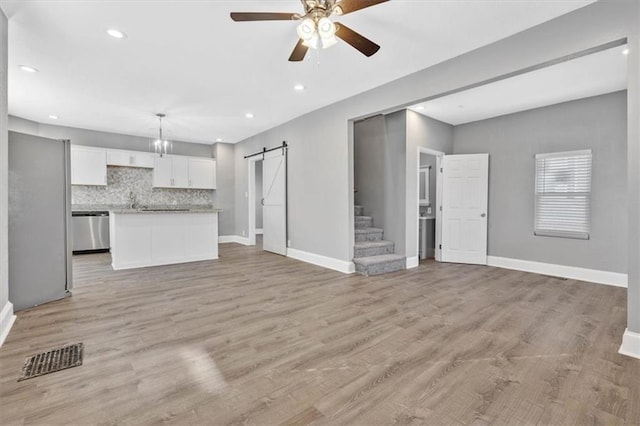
563, 194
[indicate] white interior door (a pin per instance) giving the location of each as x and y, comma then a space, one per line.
274, 204
464, 208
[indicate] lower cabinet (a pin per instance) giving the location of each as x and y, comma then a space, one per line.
140, 239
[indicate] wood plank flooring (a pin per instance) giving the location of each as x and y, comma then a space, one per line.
256, 338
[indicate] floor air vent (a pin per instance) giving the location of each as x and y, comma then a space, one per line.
51, 361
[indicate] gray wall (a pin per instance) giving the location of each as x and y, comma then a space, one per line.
395, 153
320, 179
4, 177
259, 190
633, 161
597, 123
386, 162
102, 139
369, 139
424, 132
224, 195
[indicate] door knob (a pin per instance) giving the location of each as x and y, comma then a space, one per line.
483, 215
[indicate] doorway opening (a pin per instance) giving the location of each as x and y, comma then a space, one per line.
429, 200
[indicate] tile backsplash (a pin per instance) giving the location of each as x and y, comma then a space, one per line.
123, 180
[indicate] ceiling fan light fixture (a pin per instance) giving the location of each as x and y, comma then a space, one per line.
326, 28
307, 29
329, 41
312, 42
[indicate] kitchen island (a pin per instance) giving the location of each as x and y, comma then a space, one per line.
150, 237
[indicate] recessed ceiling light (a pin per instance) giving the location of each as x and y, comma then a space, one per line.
625, 52
53, 117
249, 115
219, 140
116, 33
27, 68
298, 87
420, 107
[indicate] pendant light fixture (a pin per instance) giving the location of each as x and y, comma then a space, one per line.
161, 146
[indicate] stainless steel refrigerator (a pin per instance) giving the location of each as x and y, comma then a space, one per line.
39, 220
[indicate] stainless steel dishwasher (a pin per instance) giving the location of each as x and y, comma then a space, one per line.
90, 231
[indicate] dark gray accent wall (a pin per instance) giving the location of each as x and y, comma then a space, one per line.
598, 123
102, 139
395, 179
224, 195
369, 139
633, 173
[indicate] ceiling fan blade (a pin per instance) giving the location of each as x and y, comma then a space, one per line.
348, 6
263, 16
299, 52
358, 41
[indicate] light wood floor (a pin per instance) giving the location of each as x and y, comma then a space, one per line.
255, 338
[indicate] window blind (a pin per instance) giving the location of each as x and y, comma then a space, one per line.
563, 194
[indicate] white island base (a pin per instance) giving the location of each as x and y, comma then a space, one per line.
141, 239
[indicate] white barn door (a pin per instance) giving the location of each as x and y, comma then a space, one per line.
274, 202
464, 208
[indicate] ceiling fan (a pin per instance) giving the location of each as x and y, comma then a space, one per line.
316, 29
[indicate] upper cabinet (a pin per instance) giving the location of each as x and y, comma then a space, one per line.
202, 173
116, 157
174, 171
88, 166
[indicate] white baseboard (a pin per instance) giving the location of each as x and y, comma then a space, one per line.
7, 318
259, 231
413, 262
630, 344
233, 239
326, 262
572, 272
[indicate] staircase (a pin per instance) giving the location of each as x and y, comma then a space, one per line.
372, 255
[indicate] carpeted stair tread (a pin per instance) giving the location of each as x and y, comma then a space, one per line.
369, 231
364, 218
380, 264
374, 260
373, 248
371, 244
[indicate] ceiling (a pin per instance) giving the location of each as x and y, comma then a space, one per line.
188, 60
591, 75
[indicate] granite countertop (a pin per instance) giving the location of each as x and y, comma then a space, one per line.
151, 209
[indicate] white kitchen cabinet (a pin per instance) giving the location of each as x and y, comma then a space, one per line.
176, 171
171, 172
180, 168
163, 172
149, 239
202, 173
116, 157
88, 166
